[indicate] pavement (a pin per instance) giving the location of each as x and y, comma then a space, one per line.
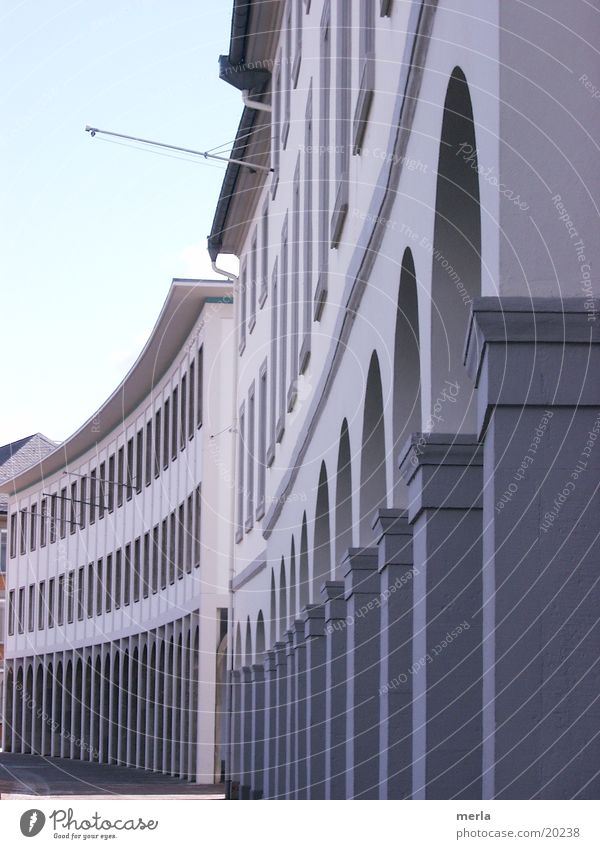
31, 776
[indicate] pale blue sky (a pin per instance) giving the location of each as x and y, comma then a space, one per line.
91, 233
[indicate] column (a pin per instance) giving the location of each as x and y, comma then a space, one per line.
246, 740
444, 476
300, 777
395, 564
290, 766
236, 732
335, 689
270, 730
362, 672
314, 619
281, 733
257, 754
536, 365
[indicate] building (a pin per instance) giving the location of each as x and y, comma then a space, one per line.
119, 561
14, 457
415, 586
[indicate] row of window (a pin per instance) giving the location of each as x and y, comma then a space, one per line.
157, 558
127, 471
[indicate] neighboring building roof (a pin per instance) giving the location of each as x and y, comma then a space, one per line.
18, 456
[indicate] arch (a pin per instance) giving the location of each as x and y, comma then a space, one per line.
273, 612
78, 701
187, 719
322, 538
133, 710
96, 709
106, 714
220, 710
48, 712
194, 705
8, 716
373, 485
237, 660
159, 708
151, 736
29, 710
114, 711
67, 735
57, 724
248, 656
123, 714
19, 711
343, 499
38, 710
282, 600
169, 688
303, 585
292, 592
407, 370
176, 758
456, 261
260, 636
143, 700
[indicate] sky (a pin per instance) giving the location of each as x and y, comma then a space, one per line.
92, 232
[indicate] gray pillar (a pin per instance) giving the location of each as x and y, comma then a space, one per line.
236, 732
270, 732
290, 769
394, 543
335, 689
537, 366
246, 726
362, 671
257, 754
314, 618
300, 778
281, 729
444, 476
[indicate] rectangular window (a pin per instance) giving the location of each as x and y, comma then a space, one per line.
192, 399
33, 528
181, 541
252, 318
294, 278
2, 553
166, 420
298, 42
21, 611
102, 491
264, 258
130, 469
53, 514
146, 575
23, 546
31, 608
342, 118
148, 452
287, 105
127, 576
276, 126
183, 412
200, 387
262, 440
307, 235
164, 555
61, 600
283, 335
273, 365
366, 72
13, 535
155, 558
82, 500
111, 483
99, 586
63, 512
120, 475
43, 522
243, 285
41, 605
137, 568
250, 459
70, 596
73, 509
198, 527
11, 612
81, 593
157, 444
172, 546
51, 585
241, 461
324, 157
139, 460
90, 590
189, 543
93, 495
174, 425
108, 583
117, 592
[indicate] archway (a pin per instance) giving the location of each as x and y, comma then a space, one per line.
114, 712
304, 585
237, 657
293, 611
273, 612
96, 712
143, 699
133, 711
260, 637
8, 717
106, 714
77, 707
48, 711
322, 539
373, 486
248, 660
57, 725
456, 261
282, 600
29, 709
38, 710
343, 500
67, 735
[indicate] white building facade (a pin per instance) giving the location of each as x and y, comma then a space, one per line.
416, 317
119, 562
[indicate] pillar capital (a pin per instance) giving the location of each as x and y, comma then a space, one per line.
314, 619
333, 598
360, 571
246, 674
279, 652
258, 672
269, 661
393, 537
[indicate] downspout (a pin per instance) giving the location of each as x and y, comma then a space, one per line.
254, 104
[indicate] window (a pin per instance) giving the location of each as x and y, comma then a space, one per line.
127, 576
111, 483
252, 319
53, 510
307, 235
137, 568
166, 421
23, 516
164, 555
200, 387
285, 129
51, 585
189, 543
99, 587
172, 546
183, 412
130, 468
366, 72
21, 611
139, 460
120, 475
93, 495
2, 551
157, 444
174, 412
324, 156
197, 534
342, 122
283, 335
13, 535
146, 575
181, 542
81, 593
31, 608
70, 595
273, 365
155, 558
242, 285
191, 399
73, 509
43, 522
63, 512
33, 528
82, 500
118, 579
41, 618
90, 590
262, 440
250, 461
61, 599
102, 491
239, 533
108, 584
276, 126
264, 258
298, 43
149, 452
295, 289
11, 612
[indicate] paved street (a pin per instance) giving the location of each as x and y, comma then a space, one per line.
31, 775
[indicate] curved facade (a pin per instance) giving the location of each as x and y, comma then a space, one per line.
118, 562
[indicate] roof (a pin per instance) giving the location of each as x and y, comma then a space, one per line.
179, 313
16, 457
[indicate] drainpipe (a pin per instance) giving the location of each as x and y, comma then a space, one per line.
254, 104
